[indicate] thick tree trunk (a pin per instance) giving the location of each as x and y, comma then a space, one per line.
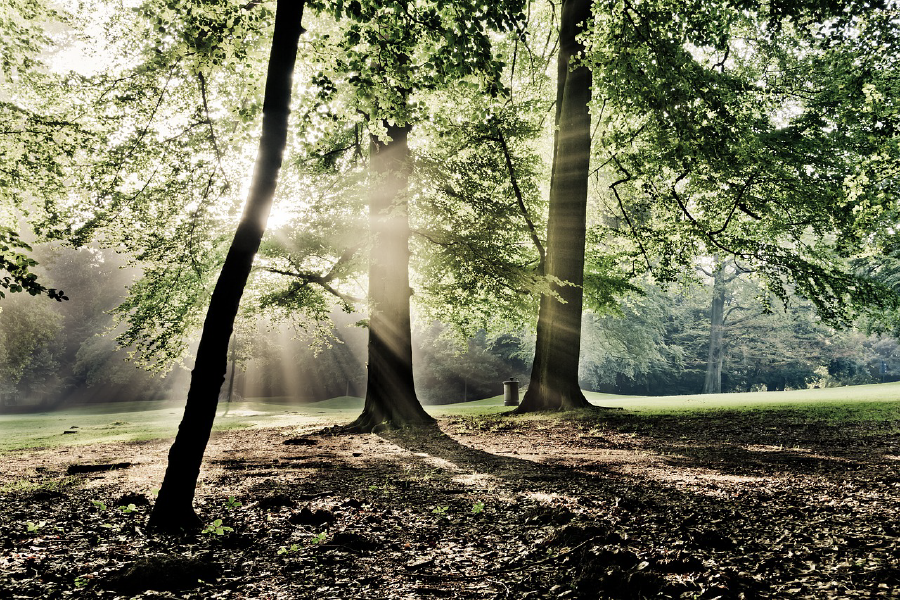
554, 375
174, 506
713, 382
390, 394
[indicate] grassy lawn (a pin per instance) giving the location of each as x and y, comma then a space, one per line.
131, 421
134, 421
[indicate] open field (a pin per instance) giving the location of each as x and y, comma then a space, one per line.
136, 421
782, 495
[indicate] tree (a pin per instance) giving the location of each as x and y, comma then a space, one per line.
717, 317
27, 350
676, 125
706, 159
390, 390
377, 47
450, 370
173, 509
554, 376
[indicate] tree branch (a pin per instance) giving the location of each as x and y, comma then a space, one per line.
520, 201
634, 232
323, 282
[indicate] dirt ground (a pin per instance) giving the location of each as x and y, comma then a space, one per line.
610, 505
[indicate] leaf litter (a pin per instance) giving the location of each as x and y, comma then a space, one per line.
705, 505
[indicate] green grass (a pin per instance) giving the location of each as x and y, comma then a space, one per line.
136, 421
835, 399
133, 421
861, 402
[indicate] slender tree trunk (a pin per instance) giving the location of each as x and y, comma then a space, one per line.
231, 377
713, 382
554, 375
174, 506
390, 393
231, 374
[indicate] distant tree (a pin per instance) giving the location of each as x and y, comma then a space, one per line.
449, 370
27, 350
721, 276
629, 348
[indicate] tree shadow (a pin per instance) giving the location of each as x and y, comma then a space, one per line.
738, 443
432, 442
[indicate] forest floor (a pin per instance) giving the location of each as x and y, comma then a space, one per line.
731, 504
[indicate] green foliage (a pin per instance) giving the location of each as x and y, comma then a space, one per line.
32, 527
472, 261
288, 549
658, 343
28, 331
449, 370
23, 36
731, 130
216, 528
20, 268
764, 131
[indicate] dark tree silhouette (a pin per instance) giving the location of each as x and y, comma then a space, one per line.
174, 506
554, 376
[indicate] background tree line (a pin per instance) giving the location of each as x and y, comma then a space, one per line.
654, 343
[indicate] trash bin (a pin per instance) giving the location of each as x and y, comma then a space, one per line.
511, 392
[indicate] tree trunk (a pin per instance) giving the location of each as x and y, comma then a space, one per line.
174, 506
233, 372
713, 382
554, 375
390, 393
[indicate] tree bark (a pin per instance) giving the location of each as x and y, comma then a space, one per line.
713, 381
554, 375
174, 505
391, 399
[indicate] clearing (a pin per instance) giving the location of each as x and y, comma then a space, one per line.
738, 496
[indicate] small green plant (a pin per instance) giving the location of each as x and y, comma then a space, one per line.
216, 528
440, 510
318, 539
100, 505
80, 582
128, 509
34, 527
232, 502
286, 549
478, 508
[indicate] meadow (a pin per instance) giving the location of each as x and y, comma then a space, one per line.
136, 421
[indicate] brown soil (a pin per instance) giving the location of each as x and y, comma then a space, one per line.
612, 505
